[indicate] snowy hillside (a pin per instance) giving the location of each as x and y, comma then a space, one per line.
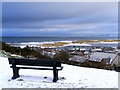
69, 77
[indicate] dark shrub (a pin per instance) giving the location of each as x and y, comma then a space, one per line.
9, 48
40, 56
62, 55
27, 52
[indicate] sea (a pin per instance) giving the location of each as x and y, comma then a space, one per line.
42, 40
49, 39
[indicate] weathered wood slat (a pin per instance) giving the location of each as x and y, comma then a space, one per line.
38, 68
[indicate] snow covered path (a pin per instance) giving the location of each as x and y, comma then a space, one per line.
69, 77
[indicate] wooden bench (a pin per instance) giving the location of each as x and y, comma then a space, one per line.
17, 64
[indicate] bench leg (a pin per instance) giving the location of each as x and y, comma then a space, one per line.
55, 75
15, 73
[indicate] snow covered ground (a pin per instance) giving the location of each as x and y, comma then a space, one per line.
69, 77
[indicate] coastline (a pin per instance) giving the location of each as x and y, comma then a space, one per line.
55, 44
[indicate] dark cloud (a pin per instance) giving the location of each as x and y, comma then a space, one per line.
39, 17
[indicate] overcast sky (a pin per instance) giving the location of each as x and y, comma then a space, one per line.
61, 19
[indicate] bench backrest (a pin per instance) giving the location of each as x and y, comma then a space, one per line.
35, 62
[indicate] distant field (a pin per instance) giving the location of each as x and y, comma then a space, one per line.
54, 44
57, 44
93, 41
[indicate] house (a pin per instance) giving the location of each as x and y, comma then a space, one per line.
116, 60
106, 60
78, 58
94, 64
78, 46
109, 49
99, 60
101, 56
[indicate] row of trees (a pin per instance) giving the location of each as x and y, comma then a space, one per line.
27, 52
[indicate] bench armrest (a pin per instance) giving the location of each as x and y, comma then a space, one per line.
60, 68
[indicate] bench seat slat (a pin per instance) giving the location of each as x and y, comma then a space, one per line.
60, 68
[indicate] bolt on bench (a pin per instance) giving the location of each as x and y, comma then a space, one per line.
17, 64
